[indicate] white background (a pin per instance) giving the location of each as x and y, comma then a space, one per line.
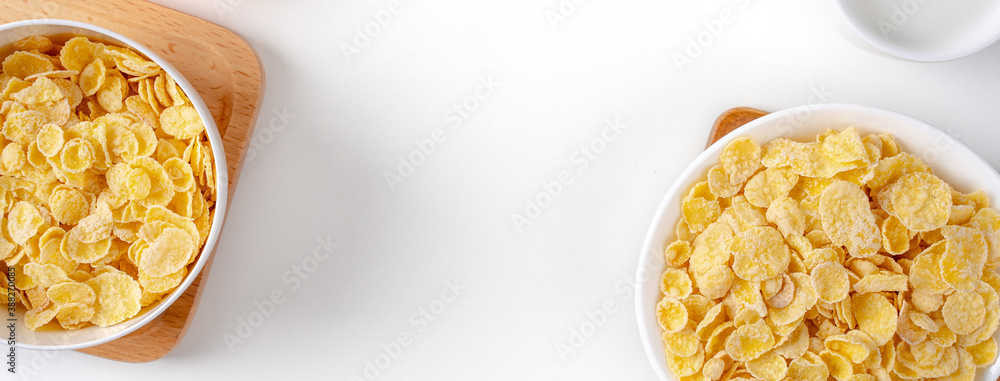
322, 173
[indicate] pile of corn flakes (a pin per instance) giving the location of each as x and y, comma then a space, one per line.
107, 181
843, 258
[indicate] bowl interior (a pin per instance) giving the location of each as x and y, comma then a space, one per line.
57, 339
923, 30
948, 158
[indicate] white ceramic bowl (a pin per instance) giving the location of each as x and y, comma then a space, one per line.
925, 30
93, 335
949, 159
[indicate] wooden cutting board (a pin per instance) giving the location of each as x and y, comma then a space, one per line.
730, 120
225, 71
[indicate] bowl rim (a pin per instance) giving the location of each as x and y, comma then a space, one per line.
221, 178
650, 257
969, 46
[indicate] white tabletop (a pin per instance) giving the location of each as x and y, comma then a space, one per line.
504, 248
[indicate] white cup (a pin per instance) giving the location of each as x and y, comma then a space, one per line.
925, 30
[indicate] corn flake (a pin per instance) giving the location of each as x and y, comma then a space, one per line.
710, 322
750, 341
74, 315
21, 64
700, 208
740, 159
963, 312
92, 77
847, 219
686, 366
839, 366
921, 201
677, 253
24, 221
849, 346
768, 367
964, 257
35, 319
671, 314
830, 281
769, 185
117, 298
181, 122
876, 316
809, 367
759, 253
984, 353
674, 283
161, 284
681, 344
844, 257
787, 216
44, 276
907, 330
882, 281
718, 182
710, 249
